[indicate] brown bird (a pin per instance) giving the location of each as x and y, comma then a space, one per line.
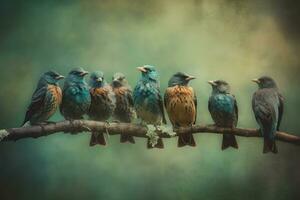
181, 105
124, 111
102, 104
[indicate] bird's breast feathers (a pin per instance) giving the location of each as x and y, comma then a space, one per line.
180, 105
52, 101
56, 93
222, 103
99, 91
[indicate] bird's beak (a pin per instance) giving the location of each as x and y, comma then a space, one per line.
100, 79
84, 73
142, 69
212, 83
190, 78
59, 77
255, 80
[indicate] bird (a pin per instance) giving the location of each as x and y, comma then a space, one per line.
102, 104
224, 110
268, 105
45, 99
147, 100
124, 110
181, 104
76, 97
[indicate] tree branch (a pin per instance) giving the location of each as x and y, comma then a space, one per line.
14, 134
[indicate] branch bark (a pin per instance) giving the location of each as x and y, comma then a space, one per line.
14, 134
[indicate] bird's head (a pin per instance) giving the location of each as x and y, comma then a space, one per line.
180, 79
219, 86
51, 77
97, 79
265, 82
149, 73
77, 74
119, 80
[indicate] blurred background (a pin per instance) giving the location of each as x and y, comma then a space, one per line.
226, 39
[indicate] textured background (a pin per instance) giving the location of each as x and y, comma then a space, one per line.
232, 40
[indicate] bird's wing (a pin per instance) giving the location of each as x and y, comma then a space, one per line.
195, 102
161, 107
37, 101
280, 109
130, 97
236, 110
166, 97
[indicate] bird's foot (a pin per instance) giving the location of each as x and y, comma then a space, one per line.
73, 128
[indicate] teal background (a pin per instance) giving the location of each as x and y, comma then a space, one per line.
231, 40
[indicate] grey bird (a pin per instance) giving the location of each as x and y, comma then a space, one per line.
124, 111
267, 105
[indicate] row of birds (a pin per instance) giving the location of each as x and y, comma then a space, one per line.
100, 101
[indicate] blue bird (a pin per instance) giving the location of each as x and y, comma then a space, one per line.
45, 100
76, 98
124, 111
102, 104
147, 100
224, 110
181, 105
267, 105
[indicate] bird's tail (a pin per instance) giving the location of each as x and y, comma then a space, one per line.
270, 146
159, 144
97, 138
186, 139
229, 141
127, 138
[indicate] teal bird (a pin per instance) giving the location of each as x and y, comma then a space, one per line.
267, 105
224, 110
181, 105
124, 111
45, 100
76, 98
102, 104
147, 100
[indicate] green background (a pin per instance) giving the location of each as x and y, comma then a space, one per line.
231, 40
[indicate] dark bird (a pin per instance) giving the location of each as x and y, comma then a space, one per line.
147, 100
45, 100
102, 104
76, 98
267, 105
124, 111
181, 105
224, 111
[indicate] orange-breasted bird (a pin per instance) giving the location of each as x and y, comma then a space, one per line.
181, 105
45, 100
102, 104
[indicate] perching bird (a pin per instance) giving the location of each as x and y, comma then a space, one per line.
224, 111
147, 100
102, 105
76, 98
124, 111
181, 105
45, 100
267, 105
